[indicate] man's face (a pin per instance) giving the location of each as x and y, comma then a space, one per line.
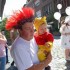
42, 29
27, 31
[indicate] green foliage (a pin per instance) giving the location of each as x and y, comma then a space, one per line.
55, 26
50, 17
2, 28
2, 24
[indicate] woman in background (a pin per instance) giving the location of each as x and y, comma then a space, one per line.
65, 37
2, 51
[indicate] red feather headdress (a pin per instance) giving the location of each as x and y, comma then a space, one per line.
19, 16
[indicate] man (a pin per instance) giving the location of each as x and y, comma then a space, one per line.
24, 49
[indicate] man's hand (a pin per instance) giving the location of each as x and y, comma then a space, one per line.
48, 59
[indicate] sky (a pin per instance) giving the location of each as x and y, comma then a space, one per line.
12, 5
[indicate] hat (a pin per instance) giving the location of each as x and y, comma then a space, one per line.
19, 17
39, 21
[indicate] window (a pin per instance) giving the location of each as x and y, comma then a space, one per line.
43, 0
38, 13
37, 2
46, 9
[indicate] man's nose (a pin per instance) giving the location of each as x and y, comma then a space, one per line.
32, 30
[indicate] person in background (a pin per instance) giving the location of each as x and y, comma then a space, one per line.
24, 49
6, 48
13, 35
65, 37
43, 38
2, 51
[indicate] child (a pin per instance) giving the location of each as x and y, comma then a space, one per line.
65, 37
43, 38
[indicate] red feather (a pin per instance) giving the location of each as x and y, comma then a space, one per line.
23, 14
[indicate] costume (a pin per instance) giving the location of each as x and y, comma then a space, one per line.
65, 39
19, 17
65, 34
23, 52
42, 39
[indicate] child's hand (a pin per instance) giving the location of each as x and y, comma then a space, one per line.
47, 45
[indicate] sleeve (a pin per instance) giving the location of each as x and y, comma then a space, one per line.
62, 29
22, 58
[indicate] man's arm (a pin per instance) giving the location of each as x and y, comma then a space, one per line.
42, 64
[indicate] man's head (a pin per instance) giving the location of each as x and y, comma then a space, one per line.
27, 31
23, 21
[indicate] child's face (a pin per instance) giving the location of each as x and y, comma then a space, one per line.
42, 29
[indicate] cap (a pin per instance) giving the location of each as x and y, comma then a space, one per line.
39, 21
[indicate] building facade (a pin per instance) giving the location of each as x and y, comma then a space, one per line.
42, 7
45, 7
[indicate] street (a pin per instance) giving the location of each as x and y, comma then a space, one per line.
58, 61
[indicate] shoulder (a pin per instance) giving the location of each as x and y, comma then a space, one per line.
17, 43
33, 42
49, 34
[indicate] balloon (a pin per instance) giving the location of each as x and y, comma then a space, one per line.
59, 6
57, 15
67, 10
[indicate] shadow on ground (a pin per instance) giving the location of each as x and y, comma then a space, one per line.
12, 68
56, 37
67, 65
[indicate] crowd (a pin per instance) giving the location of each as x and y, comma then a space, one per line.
31, 49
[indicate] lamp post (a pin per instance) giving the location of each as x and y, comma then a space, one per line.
57, 15
59, 6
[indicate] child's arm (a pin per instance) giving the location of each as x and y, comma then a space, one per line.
48, 44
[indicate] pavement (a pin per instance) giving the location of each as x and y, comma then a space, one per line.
58, 61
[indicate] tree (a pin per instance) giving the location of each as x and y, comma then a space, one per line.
2, 24
2, 28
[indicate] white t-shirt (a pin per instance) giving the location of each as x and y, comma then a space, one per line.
24, 53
